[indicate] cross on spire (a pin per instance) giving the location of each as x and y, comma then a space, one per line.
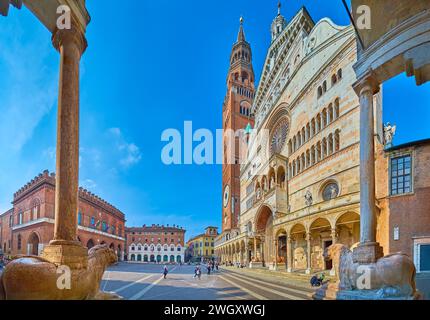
241, 35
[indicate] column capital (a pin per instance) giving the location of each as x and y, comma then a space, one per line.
367, 82
74, 36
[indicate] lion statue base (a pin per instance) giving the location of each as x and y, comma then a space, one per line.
35, 278
391, 277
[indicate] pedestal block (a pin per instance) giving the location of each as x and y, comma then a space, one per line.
367, 253
73, 255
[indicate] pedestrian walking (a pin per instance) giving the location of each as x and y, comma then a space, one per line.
209, 269
165, 271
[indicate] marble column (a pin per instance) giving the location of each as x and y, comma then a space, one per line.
255, 248
247, 253
333, 235
64, 248
308, 252
276, 249
369, 250
289, 254
333, 240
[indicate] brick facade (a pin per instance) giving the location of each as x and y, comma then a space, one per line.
29, 225
155, 243
404, 221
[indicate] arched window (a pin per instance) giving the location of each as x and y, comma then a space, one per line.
337, 140
308, 158
320, 92
333, 80
312, 155
339, 74
20, 217
324, 118
330, 144
336, 108
313, 127
35, 210
19, 242
318, 152
330, 115
324, 148
324, 87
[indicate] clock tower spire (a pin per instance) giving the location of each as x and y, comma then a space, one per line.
236, 116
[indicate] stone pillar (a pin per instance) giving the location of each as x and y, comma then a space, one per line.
255, 248
308, 252
333, 235
64, 248
276, 249
333, 240
289, 254
247, 253
369, 250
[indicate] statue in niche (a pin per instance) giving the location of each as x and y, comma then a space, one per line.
308, 198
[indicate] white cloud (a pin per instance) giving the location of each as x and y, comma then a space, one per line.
29, 86
129, 152
88, 184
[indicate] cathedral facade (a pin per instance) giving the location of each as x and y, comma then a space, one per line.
299, 187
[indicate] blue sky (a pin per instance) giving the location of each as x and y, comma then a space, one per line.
150, 65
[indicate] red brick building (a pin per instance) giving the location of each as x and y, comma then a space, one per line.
155, 243
403, 190
29, 225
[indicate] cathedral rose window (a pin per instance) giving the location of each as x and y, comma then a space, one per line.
279, 136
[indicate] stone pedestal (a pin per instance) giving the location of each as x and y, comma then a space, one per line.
255, 265
367, 253
70, 254
328, 291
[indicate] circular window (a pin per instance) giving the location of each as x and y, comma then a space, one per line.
279, 136
330, 191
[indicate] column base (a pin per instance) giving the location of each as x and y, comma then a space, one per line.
289, 270
69, 253
308, 271
368, 252
332, 272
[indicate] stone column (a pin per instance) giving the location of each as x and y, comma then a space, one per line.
247, 253
289, 254
308, 252
333, 235
369, 250
255, 248
64, 248
333, 240
276, 249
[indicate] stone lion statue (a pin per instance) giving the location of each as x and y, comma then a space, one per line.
391, 276
34, 278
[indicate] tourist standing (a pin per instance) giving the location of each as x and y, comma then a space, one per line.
165, 271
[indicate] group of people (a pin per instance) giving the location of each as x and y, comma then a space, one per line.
210, 267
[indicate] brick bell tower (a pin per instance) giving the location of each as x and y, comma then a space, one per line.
236, 116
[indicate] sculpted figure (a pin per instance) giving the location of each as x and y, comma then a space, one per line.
34, 278
389, 132
391, 276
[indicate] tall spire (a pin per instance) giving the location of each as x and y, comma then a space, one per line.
278, 24
241, 34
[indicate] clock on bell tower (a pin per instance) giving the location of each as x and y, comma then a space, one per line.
236, 116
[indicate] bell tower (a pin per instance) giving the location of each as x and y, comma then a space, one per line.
236, 116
